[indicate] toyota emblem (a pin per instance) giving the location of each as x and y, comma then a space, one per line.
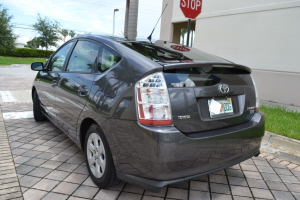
223, 88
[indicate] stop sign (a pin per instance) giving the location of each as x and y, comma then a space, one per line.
191, 8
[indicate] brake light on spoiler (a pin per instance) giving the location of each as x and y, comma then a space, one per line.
153, 102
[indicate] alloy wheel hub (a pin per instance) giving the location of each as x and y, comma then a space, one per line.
96, 155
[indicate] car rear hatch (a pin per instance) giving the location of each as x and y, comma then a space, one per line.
197, 85
206, 96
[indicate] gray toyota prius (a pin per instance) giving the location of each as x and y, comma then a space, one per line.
150, 114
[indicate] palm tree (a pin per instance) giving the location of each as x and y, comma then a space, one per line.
183, 32
64, 33
72, 33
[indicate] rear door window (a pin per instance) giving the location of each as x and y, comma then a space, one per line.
83, 57
107, 59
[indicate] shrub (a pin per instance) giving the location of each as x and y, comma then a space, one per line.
23, 52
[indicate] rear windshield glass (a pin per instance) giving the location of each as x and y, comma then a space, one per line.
206, 76
167, 52
155, 53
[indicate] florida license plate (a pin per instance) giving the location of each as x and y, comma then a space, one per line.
225, 108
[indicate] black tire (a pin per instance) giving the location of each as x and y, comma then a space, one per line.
108, 176
37, 110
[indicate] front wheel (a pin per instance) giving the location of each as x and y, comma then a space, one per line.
37, 110
98, 158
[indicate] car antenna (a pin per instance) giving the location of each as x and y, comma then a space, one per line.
150, 36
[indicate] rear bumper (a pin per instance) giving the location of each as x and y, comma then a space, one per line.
156, 185
153, 157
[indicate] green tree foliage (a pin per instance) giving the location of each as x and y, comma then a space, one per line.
72, 33
64, 33
42, 42
48, 31
34, 43
7, 37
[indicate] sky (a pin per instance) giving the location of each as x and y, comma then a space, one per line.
82, 16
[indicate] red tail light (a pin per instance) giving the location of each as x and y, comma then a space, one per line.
153, 102
256, 96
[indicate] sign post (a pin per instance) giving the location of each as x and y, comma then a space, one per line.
191, 9
188, 33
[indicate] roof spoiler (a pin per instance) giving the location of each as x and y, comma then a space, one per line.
205, 64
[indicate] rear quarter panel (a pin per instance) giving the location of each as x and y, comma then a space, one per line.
112, 95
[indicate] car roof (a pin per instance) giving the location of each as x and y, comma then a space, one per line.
158, 50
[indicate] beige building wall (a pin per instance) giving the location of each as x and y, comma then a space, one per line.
261, 34
166, 28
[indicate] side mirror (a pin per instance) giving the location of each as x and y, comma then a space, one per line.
37, 66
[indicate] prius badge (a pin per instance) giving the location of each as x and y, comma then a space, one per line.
223, 88
184, 117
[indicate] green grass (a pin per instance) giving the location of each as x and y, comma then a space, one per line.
19, 60
281, 121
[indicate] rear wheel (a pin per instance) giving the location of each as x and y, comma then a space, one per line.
37, 110
98, 158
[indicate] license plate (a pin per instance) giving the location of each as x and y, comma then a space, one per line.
226, 108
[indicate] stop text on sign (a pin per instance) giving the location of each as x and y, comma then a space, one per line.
180, 48
191, 8
192, 4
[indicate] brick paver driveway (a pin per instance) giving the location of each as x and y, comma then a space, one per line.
38, 161
51, 166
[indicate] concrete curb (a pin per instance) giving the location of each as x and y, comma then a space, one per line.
272, 104
10, 186
289, 145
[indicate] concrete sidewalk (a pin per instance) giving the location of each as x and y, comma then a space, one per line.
19, 96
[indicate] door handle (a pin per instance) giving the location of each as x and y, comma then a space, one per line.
54, 83
82, 90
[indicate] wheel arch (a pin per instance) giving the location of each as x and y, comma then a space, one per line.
84, 126
110, 179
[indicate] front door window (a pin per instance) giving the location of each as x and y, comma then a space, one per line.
59, 58
83, 57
